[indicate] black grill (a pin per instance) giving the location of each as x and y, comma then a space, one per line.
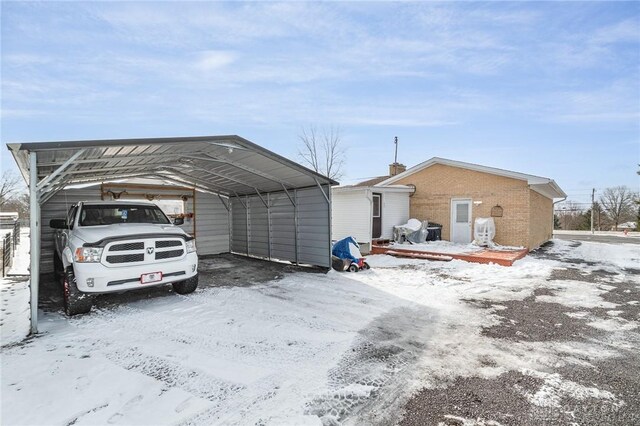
126, 258
127, 246
163, 244
168, 254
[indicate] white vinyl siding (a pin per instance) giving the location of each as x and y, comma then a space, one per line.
395, 211
351, 215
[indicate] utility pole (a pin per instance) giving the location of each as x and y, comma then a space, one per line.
593, 193
395, 159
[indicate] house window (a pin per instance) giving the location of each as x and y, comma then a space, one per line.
376, 206
462, 213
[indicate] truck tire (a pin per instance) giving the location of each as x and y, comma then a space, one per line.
187, 286
75, 301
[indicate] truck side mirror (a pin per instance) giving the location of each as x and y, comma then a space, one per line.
178, 221
58, 224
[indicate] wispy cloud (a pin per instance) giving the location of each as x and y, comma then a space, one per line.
616, 102
214, 59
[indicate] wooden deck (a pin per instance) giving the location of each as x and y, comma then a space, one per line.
500, 257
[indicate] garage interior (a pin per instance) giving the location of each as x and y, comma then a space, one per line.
238, 197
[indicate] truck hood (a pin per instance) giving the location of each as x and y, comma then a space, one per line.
91, 234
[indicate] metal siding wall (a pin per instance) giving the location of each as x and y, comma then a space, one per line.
258, 228
58, 208
314, 236
238, 226
313, 227
283, 227
212, 224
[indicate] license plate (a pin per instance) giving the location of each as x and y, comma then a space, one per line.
151, 277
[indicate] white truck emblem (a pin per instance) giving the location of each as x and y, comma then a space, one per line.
150, 250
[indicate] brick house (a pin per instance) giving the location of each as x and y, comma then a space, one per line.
454, 194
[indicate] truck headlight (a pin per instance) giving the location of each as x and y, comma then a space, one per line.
88, 254
191, 246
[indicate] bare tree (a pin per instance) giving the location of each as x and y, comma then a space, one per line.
570, 215
323, 150
618, 203
9, 186
19, 204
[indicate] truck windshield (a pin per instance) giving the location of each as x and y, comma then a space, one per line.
93, 215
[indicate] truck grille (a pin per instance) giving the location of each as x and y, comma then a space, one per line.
168, 254
126, 258
127, 246
146, 251
168, 243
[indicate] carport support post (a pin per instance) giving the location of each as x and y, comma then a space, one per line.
34, 237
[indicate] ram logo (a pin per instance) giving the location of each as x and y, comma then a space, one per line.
150, 250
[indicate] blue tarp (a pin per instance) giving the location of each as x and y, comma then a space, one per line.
342, 249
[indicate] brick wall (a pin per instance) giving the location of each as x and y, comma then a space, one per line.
438, 184
540, 219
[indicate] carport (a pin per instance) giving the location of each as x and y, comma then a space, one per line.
275, 208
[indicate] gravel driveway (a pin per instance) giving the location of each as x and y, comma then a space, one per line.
580, 389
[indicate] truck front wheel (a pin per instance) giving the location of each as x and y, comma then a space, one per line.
75, 301
187, 286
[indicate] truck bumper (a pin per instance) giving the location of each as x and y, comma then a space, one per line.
97, 278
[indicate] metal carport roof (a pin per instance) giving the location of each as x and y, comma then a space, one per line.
225, 165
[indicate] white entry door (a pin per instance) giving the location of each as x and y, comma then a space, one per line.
461, 221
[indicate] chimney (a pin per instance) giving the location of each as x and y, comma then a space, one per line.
396, 168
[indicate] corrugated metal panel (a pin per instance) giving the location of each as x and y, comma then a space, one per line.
57, 208
313, 233
395, 211
314, 243
212, 224
351, 215
283, 231
238, 226
258, 228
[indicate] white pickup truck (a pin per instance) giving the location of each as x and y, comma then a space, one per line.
114, 246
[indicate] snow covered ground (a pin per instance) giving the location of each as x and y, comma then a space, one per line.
310, 348
15, 295
20, 264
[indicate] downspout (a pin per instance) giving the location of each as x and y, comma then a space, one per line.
553, 214
369, 196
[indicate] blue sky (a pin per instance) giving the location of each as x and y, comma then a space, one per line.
551, 89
